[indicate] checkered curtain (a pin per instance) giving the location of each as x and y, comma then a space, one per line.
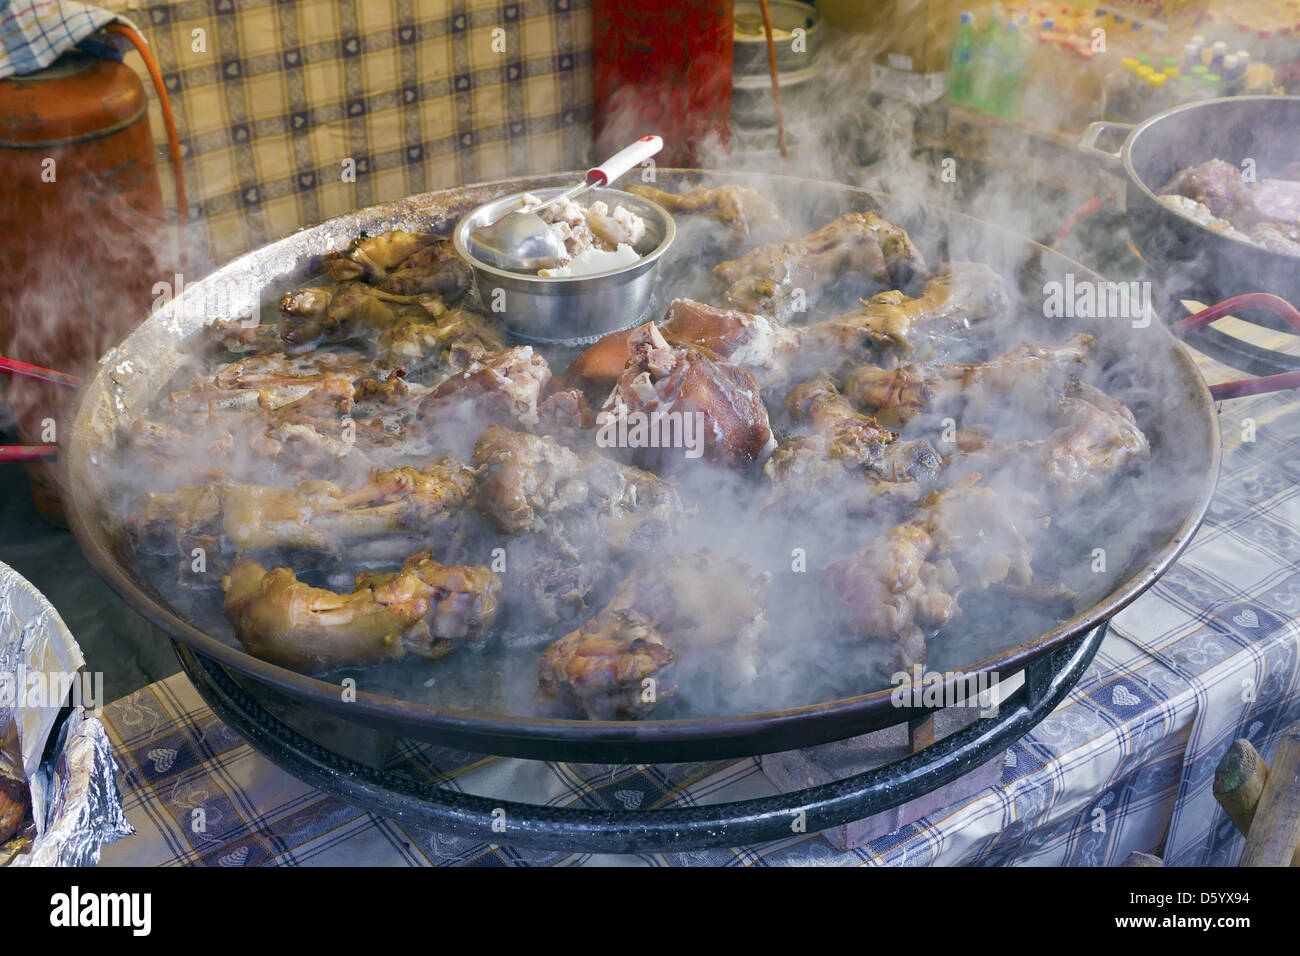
277, 102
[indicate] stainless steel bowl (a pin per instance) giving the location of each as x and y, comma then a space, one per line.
572, 310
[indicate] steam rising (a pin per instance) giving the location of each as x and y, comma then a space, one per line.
804, 656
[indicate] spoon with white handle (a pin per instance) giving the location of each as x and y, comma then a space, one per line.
522, 242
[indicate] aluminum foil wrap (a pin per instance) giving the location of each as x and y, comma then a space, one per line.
75, 804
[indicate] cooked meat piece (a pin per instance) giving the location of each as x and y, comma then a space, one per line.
763, 279
453, 604
454, 338
567, 417
309, 301
751, 342
1279, 198
702, 601
886, 594
746, 341
703, 612
424, 609
1098, 437
157, 525
15, 795
189, 456
373, 257
904, 392
551, 591
1218, 186
15, 801
532, 483
273, 380
1277, 237
1197, 212
352, 311
910, 579
434, 269
241, 336
739, 207
614, 667
673, 403
961, 295
502, 387
1214, 194
316, 514
390, 390
845, 457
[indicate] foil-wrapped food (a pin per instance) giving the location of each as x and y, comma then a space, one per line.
61, 810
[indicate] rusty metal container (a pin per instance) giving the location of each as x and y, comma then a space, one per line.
81, 227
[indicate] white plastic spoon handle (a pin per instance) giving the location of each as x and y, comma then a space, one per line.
608, 171
624, 160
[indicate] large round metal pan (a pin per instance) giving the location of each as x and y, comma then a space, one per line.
1167, 393
1262, 132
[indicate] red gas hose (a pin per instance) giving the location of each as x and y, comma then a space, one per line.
1241, 303
1091, 207
14, 367
18, 453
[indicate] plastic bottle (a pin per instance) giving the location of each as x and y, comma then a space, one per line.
987, 55
1008, 82
1157, 95
961, 73
1233, 75
1119, 89
1043, 55
1218, 53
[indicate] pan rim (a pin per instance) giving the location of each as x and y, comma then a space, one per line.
541, 732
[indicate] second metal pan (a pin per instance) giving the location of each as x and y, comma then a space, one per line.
1263, 131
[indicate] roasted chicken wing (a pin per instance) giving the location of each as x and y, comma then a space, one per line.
532, 483
698, 613
902, 393
844, 456
373, 257
764, 279
502, 387
425, 609
739, 207
316, 514
909, 580
961, 295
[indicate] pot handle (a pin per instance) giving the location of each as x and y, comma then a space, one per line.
1094, 132
1241, 303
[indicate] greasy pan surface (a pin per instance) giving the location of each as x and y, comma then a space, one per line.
1145, 365
1263, 129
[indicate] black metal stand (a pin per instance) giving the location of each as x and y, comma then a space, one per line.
1047, 681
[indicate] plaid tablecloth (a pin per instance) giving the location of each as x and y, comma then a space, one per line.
279, 103
1125, 763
